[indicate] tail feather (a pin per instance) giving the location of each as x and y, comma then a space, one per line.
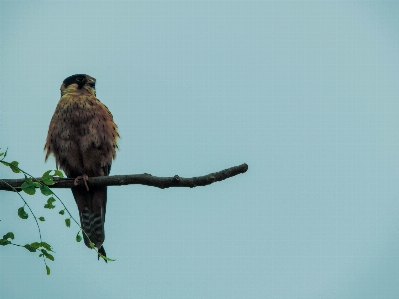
93, 226
102, 251
92, 205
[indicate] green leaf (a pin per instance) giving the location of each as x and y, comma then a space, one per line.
46, 246
41, 218
31, 190
45, 190
46, 174
28, 186
48, 181
36, 184
1, 154
35, 245
58, 173
28, 180
4, 242
30, 248
47, 178
14, 166
8, 235
22, 214
78, 237
62, 212
47, 270
49, 204
47, 255
68, 222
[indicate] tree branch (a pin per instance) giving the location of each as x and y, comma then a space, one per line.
134, 179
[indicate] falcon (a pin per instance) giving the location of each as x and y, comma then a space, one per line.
82, 136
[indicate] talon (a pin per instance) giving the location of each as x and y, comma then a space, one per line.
83, 177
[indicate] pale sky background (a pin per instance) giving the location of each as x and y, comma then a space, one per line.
305, 93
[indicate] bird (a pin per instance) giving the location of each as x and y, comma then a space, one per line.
83, 137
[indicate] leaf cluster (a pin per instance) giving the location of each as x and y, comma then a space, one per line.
29, 186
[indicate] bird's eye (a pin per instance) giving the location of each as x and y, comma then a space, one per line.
79, 79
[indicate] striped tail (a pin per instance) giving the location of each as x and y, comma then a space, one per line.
92, 208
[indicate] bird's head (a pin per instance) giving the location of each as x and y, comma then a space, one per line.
79, 83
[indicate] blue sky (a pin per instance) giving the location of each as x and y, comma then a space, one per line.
305, 93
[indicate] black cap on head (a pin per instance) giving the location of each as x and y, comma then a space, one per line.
79, 79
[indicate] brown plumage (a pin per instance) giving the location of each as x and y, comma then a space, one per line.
83, 138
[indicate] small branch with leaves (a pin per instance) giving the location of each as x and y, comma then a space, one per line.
29, 185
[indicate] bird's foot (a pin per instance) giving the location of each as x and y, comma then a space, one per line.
83, 177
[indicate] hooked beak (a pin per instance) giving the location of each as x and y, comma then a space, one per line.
92, 84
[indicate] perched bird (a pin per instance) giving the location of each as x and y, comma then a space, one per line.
83, 138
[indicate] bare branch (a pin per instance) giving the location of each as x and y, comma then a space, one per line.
142, 179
